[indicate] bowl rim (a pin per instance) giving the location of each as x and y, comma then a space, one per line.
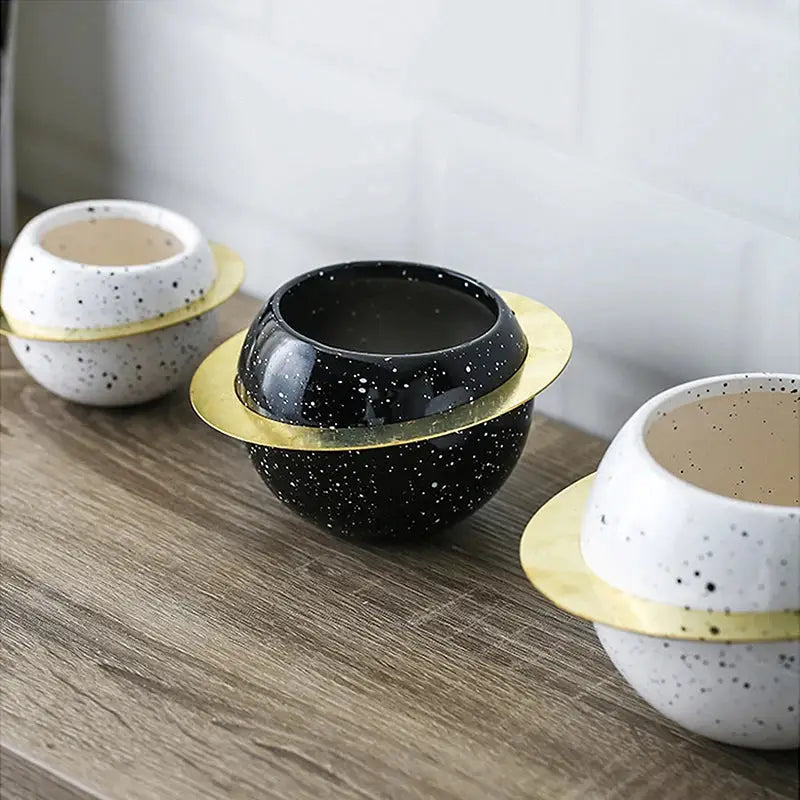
453, 360
551, 557
230, 275
215, 400
432, 274
647, 414
174, 222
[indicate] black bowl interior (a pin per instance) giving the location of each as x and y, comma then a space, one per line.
387, 314
376, 342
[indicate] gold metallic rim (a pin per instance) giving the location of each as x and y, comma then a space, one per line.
230, 274
214, 397
550, 553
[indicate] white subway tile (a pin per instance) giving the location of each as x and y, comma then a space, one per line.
769, 327
780, 16
516, 58
599, 390
700, 103
272, 254
316, 148
643, 276
244, 15
379, 36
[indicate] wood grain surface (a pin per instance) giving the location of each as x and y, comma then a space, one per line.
170, 630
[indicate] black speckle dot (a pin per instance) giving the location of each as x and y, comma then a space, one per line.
714, 629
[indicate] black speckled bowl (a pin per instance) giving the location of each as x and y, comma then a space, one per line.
384, 400
371, 343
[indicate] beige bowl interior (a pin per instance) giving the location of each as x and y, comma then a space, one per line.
111, 242
744, 445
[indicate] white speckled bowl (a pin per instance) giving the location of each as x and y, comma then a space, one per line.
91, 281
682, 512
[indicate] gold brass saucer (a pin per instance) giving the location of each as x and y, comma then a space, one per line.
216, 402
230, 274
551, 556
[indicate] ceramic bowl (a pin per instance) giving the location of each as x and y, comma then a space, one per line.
384, 400
371, 343
112, 302
684, 550
696, 504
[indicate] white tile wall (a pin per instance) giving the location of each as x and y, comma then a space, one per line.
634, 163
700, 103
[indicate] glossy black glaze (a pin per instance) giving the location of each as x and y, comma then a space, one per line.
375, 342
402, 491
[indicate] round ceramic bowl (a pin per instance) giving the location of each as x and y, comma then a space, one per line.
696, 504
384, 400
112, 302
684, 550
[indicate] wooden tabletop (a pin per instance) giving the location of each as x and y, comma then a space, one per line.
170, 630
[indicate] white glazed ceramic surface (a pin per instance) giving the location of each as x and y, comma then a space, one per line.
649, 533
50, 291
741, 694
44, 289
115, 372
